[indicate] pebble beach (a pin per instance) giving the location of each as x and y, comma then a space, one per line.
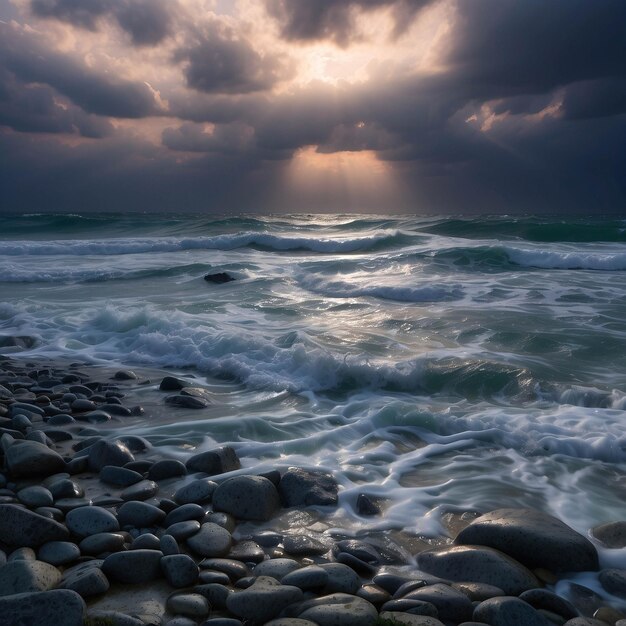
106, 530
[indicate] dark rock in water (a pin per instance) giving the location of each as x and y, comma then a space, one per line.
140, 491
451, 604
366, 506
341, 578
612, 535
188, 401
59, 607
533, 538
134, 443
478, 564
219, 278
31, 458
548, 601
247, 552
125, 375
21, 575
167, 468
170, 383
21, 527
104, 453
184, 513
196, 492
134, 566
23, 341
299, 545
614, 581
216, 461
303, 487
508, 611
263, 600
247, 498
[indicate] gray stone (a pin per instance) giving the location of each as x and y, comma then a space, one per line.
548, 601
184, 513
290, 621
21, 527
167, 468
247, 497
25, 576
222, 621
101, 543
104, 453
587, 621
300, 487
179, 570
215, 593
263, 600
58, 607
305, 578
169, 383
407, 619
247, 551
22, 554
210, 541
146, 541
35, 496
339, 609
190, 604
26, 459
119, 476
65, 488
233, 569
139, 514
612, 535
141, 491
90, 520
479, 591
508, 611
169, 545
188, 401
374, 594
299, 545
414, 607
341, 578
96, 417
614, 581
533, 538
478, 564
183, 530
276, 568
112, 618
197, 491
451, 604
82, 405
86, 579
218, 461
58, 552
134, 566
209, 577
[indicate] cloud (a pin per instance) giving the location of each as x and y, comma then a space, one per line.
235, 138
146, 21
219, 60
30, 61
307, 21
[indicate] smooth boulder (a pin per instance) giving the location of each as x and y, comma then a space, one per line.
26, 459
21, 527
300, 487
218, 461
247, 498
58, 606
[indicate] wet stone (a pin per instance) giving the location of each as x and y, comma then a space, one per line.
101, 543
188, 401
614, 581
247, 498
21, 527
139, 515
408, 619
104, 453
119, 476
183, 530
533, 538
340, 609
169, 545
170, 383
146, 541
190, 604
612, 535
247, 551
479, 591
414, 607
290, 621
211, 577
305, 578
89, 520
299, 545
196, 492
96, 417
86, 579
31, 458
82, 405
35, 496
167, 468
478, 564
69, 504
179, 570
61, 419
303, 487
508, 611
134, 566
233, 569
548, 601
341, 578
184, 513
276, 568
218, 461
58, 607
65, 488
141, 491
451, 604
210, 541
21, 576
58, 552
374, 594
263, 600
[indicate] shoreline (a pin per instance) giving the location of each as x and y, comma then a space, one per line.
224, 507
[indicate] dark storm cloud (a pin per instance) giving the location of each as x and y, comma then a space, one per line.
233, 138
302, 20
29, 62
146, 21
219, 61
604, 97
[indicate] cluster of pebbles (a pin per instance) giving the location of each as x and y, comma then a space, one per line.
87, 536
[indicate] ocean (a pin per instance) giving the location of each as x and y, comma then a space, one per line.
442, 366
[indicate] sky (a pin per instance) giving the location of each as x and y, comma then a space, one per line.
242, 106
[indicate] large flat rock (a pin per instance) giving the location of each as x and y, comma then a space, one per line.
532, 538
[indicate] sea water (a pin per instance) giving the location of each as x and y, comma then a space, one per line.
438, 365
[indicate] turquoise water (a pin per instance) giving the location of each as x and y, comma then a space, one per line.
444, 365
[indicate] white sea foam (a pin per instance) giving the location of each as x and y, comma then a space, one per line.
567, 259
83, 247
